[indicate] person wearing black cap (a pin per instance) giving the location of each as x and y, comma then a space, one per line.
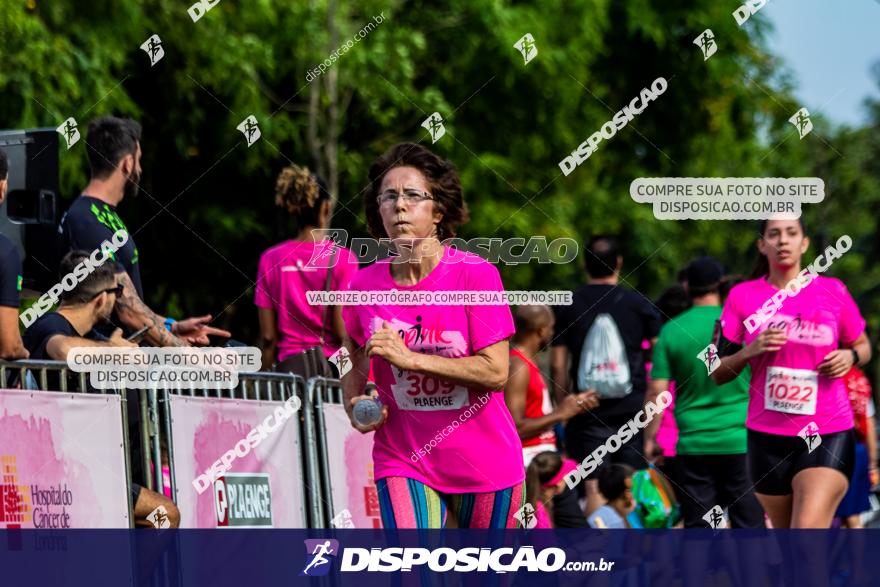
11, 347
711, 451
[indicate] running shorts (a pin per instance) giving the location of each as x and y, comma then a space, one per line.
704, 481
774, 460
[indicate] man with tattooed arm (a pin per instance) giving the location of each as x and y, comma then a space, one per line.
114, 153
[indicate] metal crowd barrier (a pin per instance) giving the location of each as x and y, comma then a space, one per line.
313, 394
323, 391
34, 375
155, 422
264, 386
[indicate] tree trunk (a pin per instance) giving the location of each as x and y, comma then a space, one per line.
331, 139
323, 130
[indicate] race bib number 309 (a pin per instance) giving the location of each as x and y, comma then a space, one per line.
417, 391
792, 391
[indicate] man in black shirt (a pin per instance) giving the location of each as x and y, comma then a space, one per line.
114, 152
11, 347
637, 320
53, 335
90, 302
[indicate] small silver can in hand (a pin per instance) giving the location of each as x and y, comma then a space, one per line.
367, 412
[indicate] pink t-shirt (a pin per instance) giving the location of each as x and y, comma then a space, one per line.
284, 275
667, 434
453, 439
786, 393
542, 520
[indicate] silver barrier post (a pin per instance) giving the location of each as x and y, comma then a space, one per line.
320, 447
169, 440
158, 485
124, 403
145, 437
316, 515
165, 416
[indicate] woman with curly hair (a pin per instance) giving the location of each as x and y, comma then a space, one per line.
445, 442
297, 335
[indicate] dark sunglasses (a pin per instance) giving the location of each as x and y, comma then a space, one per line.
117, 289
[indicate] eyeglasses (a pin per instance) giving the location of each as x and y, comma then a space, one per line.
410, 196
117, 290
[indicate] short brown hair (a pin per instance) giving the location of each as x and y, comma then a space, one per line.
443, 182
103, 276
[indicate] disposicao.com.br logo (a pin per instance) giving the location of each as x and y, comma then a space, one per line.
320, 553
441, 560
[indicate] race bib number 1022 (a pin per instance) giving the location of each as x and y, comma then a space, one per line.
792, 391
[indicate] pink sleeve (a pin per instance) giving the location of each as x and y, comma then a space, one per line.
266, 288
542, 520
351, 316
487, 324
345, 269
732, 319
852, 325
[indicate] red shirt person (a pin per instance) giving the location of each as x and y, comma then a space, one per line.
860, 395
526, 392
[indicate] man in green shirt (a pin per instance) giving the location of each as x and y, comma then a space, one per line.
710, 457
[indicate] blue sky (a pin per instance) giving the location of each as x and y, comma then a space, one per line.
830, 46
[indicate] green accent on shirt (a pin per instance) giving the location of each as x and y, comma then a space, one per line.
711, 418
108, 217
18, 283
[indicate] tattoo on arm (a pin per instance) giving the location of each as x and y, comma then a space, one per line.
131, 308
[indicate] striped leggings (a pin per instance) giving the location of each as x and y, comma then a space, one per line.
407, 503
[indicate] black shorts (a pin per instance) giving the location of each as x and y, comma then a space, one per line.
704, 481
667, 467
582, 441
774, 460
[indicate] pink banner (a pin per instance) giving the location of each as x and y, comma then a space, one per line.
350, 459
252, 448
62, 461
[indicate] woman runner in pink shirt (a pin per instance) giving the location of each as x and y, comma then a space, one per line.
806, 333
446, 443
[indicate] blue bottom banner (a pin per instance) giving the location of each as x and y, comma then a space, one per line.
248, 557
